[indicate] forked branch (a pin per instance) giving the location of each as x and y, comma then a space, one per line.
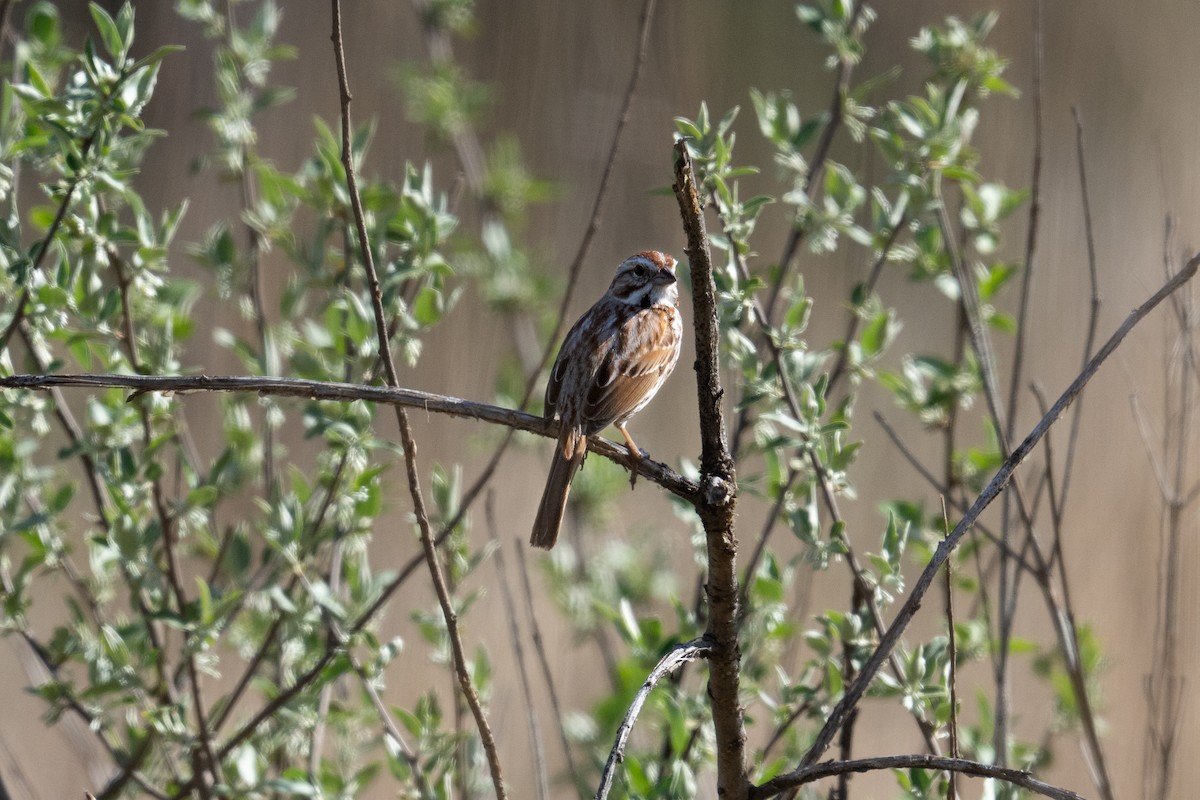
678, 655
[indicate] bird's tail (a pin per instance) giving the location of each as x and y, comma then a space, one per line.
568, 456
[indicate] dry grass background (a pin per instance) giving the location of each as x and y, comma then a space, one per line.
558, 71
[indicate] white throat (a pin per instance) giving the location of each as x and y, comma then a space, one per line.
664, 295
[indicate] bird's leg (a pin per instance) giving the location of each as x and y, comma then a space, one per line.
635, 456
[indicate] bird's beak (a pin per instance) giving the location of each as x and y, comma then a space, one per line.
665, 277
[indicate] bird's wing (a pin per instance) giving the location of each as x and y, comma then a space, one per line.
638, 360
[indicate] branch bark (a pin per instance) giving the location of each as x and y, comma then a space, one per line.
717, 497
679, 655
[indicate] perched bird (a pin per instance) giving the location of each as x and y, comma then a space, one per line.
612, 363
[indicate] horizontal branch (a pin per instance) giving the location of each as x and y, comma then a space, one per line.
655, 471
828, 769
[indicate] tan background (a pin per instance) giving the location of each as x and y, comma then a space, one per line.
558, 70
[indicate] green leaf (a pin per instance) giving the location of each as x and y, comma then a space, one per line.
157, 56
110, 34
427, 308
206, 604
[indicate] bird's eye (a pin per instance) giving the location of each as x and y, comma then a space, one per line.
640, 271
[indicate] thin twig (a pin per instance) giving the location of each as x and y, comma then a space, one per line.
535, 632
1006, 581
1094, 307
976, 326
837, 103
952, 785
204, 760
75, 435
391, 730
824, 482
854, 319
800, 710
1031, 233
761, 545
828, 769
510, 611
409, 446
675, 657
44, 245
1164, 685
854, 693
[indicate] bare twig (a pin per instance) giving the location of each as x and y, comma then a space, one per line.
409, 446
942, 490
829, 769
952, 786
1093, 309
1164, 685
1031, 233
539, 647
854, 693
510, 611
718, 496
1006, 581
675, 657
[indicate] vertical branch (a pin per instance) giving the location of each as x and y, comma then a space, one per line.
1164, 686
205, 764
255, 285
952, 785
406, 439
1094, 309
1031, 234
510, 611
544, 663
717, 498
1006, 577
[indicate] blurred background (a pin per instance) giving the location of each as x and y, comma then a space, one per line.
557, 73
